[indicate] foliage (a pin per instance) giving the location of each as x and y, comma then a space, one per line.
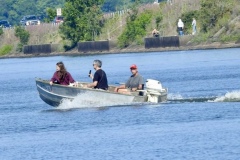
14, 10
212, 11
82, 20
115, 5
23, 35
1, 31
187, 18
6, 49
230, 38
203, 37
158, 20
51, 14
135, 28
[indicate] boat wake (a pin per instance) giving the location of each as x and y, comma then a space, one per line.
233, 96
89, 100
177, 98
94, 100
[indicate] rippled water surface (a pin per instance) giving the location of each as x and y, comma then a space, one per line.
200, 120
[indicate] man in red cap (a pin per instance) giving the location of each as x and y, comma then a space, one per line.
134, 83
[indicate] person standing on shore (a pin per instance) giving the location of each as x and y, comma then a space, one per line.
194, 26
100, 78
180, 27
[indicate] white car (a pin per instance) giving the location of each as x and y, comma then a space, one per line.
30, 20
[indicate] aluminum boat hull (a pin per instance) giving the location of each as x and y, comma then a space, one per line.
54, 94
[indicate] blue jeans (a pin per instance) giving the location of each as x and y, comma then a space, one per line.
194, 29
180, 33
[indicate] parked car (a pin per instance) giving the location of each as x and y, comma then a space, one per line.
30, 20
58, 19
5, 24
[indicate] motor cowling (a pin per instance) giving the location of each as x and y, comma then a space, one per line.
153, 90
155, 85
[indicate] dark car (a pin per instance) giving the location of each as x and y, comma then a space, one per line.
5, 24
58, 19
30, 20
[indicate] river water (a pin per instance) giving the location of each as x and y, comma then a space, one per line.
200, 120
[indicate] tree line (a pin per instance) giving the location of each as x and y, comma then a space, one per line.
14, 10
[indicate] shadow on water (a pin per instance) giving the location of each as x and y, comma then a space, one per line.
56, 109
60, 109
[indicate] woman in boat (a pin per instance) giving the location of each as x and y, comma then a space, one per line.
61, 76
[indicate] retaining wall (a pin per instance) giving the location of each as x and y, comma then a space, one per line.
93, 46
157, 42
37, 49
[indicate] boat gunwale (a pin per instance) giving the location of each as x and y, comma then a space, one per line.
88, 89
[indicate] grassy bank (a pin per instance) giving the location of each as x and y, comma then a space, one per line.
164, 18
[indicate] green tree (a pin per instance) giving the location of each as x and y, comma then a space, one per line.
14, 10
212, 11
187, 18
135, 29
82, 20
23, 35
51, 14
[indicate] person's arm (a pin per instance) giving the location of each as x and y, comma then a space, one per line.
123, 86
53, 79
94, 84
91, 76
120, 87
95, 80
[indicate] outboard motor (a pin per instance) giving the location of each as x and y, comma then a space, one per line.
154, 90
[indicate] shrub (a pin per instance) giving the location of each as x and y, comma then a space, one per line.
135, 29
1, 31
23, 35
187, 19
200, 38
6, 49
212, 11
158, 20
230, 38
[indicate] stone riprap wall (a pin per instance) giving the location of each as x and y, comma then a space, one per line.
158, 42
93, 46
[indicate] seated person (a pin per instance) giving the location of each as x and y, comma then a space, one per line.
155, 33
134, 83
100, 78
61, 76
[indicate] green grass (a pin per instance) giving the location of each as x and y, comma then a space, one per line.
200, 38
230, 38
6, 49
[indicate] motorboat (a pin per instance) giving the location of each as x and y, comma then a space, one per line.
55, 94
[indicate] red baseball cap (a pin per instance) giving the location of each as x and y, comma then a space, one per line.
133, 66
